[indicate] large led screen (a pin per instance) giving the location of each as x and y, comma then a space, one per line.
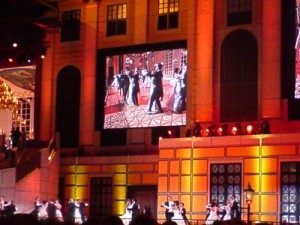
145, 88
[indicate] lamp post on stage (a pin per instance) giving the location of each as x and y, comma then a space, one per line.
249, 191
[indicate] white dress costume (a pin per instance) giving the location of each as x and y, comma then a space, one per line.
77, 214
227, 216
58, 213
213, 214
126, 218
43, 214
177, 217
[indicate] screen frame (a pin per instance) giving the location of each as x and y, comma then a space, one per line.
102, 54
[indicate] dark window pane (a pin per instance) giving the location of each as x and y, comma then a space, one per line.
162, 22
111, 28
121, 27
173, 20
70, 28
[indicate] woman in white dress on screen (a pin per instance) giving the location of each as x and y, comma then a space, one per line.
213, 212
177, 216
58, 213
43, 214
126, 218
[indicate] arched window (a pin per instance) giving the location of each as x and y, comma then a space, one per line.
68, 106
238, 90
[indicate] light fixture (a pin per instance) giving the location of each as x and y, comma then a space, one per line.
236, 129
8, 100
249, 129
249, 192
15, 44
10, 60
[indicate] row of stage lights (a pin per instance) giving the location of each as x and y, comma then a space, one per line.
21, 58
225, 130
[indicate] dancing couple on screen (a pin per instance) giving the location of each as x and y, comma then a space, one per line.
132, 210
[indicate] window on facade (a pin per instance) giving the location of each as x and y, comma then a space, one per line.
239, 12
24, 119
168, 14
290, 192
70, 27
116, 19
100, 196
225, 181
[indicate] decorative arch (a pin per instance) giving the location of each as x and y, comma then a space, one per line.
239, 77
68, 106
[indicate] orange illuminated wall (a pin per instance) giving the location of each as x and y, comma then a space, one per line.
123, 170
184, 170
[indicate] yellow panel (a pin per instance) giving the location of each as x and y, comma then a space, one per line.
269, 183
186, 199
272, 218
119, 179
185, 184
208, 152
119, 192
82, 169
200, 217
186, 167
243, 151
118, 207
183, 153
199, 202
251, 165
199, 166
166, 153
81, 179
70, 179
162, 184
149, 178
67, 169
269, 165
279, 150
269, 203
199, 184
163, 167
174, 167
69, 191
254, 204
119, 168
174, 183
253, 180
134, 178
81, 193
161, 199
140, 167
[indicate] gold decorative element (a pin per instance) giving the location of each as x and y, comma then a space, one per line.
8, 100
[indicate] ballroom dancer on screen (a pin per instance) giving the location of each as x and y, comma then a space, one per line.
126, 218
213, 212
156, 89
134, 87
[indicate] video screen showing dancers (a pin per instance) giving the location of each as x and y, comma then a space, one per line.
146, 89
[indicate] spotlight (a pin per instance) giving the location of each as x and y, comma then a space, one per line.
220, 131
265, 127
10, 60
170, 133
236, 129
29, 60
15, 44
42, 56
249, 129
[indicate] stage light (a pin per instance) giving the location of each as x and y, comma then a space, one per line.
220, 131
265, 127
42, 56
10, 60
249, 129
236, 129
29, 60
15, 44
